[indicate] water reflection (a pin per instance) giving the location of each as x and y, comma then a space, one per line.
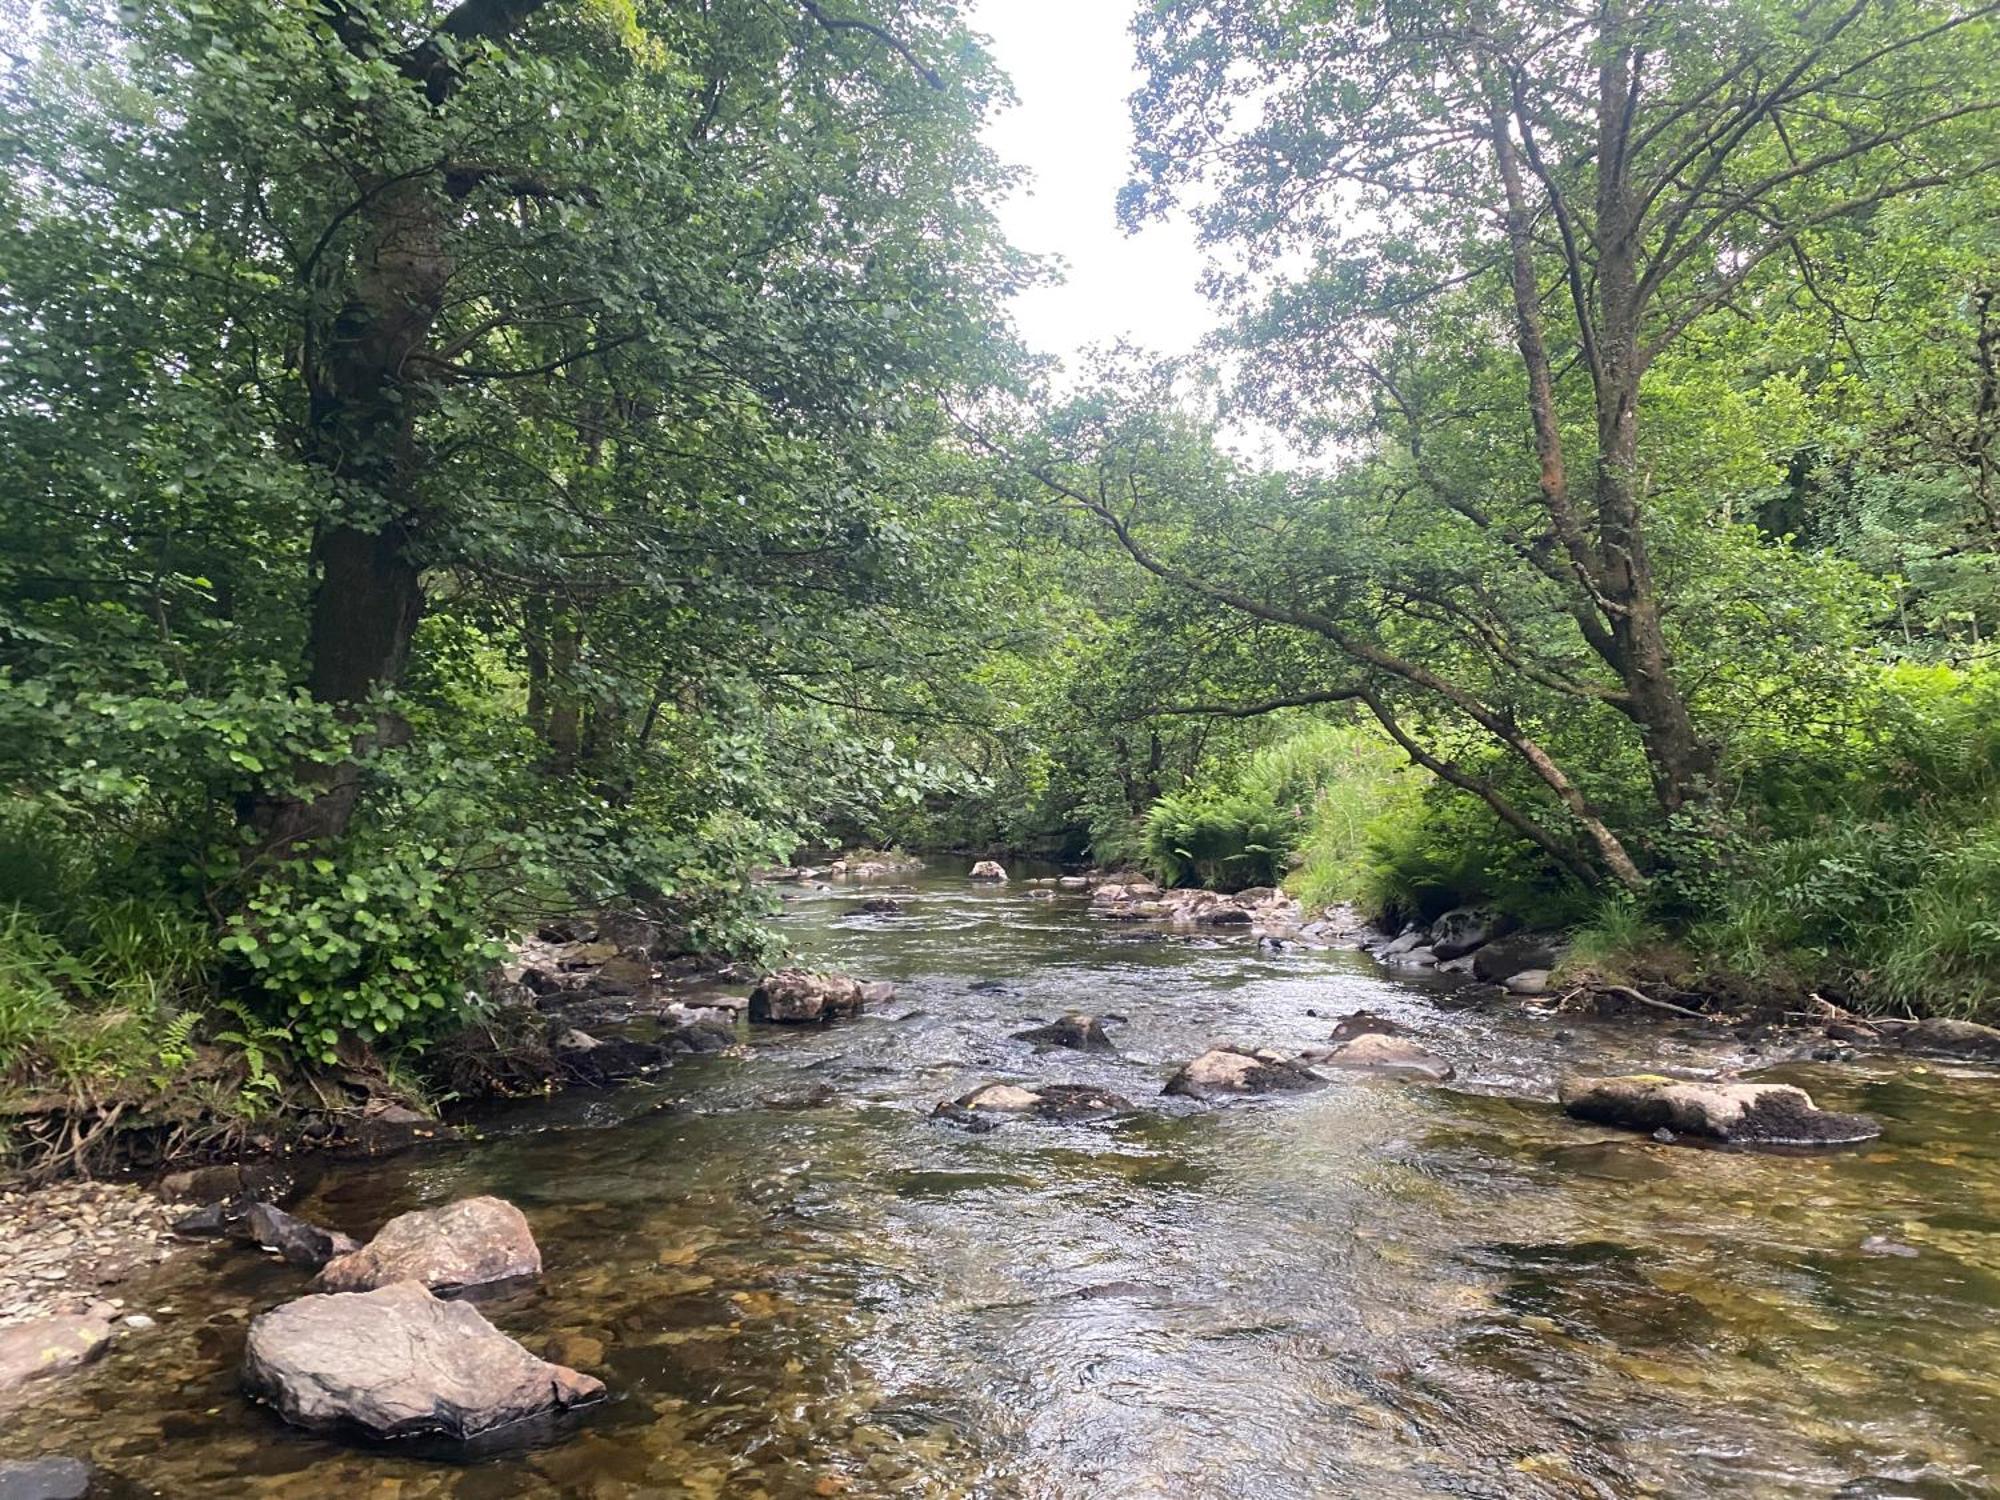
799, 1285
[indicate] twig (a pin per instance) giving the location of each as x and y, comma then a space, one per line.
1626, 992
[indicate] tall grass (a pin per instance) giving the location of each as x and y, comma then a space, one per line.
93, 981
1365, 788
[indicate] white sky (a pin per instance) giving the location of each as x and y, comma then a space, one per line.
1071, 62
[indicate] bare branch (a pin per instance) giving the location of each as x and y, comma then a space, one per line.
836, 24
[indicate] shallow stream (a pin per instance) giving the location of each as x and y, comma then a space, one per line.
798, 1285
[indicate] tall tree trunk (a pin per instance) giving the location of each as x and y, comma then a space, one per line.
1680, 762
368, 596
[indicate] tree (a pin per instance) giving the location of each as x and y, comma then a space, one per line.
444, 447
470, 263
1609, 178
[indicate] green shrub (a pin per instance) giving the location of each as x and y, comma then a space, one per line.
1363, 785
381, 946
110, 998
1941, 953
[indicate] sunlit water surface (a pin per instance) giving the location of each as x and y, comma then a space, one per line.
1374, 1290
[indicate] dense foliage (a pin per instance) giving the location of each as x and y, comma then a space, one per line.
469, 462
456, 461
1649, 355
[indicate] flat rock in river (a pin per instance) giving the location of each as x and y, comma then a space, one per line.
1238, 1070
1048, 1101
1747, 1114
1391, 1056
49, 1346
473, 1242
397, 1362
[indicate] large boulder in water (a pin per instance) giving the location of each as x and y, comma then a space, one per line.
793, 997
1083, 1033
397, 1362
1238, 1070
1459, 932
1745, 1114
1390, 1056
988, 869
1500, 960
473, 1242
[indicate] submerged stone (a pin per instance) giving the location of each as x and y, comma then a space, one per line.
49, 1346
45, 1479
1079, 1032
1747, 1114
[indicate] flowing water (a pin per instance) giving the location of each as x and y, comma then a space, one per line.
797, 1284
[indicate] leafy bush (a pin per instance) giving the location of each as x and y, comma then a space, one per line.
108, 998
1942, 953
1361, 784
381, 947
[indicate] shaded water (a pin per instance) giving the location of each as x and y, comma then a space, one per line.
1376, 1290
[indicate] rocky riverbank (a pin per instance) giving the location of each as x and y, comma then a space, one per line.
1051, 1063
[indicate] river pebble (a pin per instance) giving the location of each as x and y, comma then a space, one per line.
61, 1246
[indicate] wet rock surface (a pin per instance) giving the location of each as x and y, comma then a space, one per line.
45, 1479
1745, 1114
471, 1243
1079, 1032
397, 1362
1058, 1102
1366, 1023
1459, 932
794, 997
1390, 1056
42, 1347
301, 1244
1223, 1071
1937, 1036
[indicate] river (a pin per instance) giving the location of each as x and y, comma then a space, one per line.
798, 1285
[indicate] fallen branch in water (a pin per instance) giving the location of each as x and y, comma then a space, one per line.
1626, 992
